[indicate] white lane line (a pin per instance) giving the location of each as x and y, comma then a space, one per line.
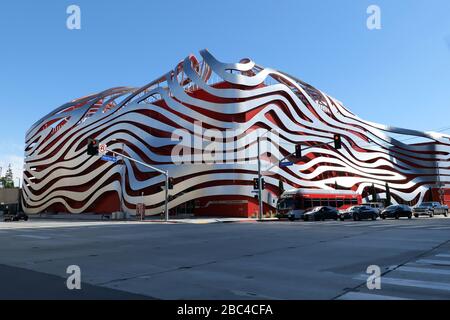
443, 255
434, 262
411, 283
424, 270
440, 228
33, 237
413, 227
383, 226
367, 296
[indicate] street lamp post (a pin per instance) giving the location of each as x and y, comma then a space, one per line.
261, 203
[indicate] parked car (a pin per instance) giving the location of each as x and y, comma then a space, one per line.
430, 209
397, 211
364, 213
376, 205
348, 214
321, 214
295, 215
17, 216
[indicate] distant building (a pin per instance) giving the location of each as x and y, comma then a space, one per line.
245, 97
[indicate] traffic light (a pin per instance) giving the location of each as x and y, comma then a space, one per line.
337, 142
256, 184
92, 147
171, 183
298, 151
263, 184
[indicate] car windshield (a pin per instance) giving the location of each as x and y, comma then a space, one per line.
391, 207
316, 209
354, 208
426, 204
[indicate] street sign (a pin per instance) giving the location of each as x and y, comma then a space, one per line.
286, 164
109, 158
102, 149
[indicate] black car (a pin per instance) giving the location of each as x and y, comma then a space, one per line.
321, 214
397, 211
364, 213
348, 214
15, 216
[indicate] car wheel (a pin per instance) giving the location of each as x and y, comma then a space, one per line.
431, 214
397, 217
446, 213
374, 217
342, 219
410, 216
416, 215
25, 219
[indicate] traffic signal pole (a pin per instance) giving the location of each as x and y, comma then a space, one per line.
165, 173
260, 201
336, 141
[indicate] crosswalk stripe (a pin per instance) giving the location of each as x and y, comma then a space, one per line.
416, 284
435, 262
411, 283
424, 270
367, 296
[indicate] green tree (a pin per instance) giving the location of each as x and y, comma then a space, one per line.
388, 195
374, 193
8, 179
281, 186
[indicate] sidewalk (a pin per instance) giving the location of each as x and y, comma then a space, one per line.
98, 217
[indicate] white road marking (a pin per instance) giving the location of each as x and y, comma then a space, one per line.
424, 270
413, 227
383, 225
434, 262
440, 228
411, 283
33, 237
367, 296
442, 255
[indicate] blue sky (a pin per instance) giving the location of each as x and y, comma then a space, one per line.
399, 75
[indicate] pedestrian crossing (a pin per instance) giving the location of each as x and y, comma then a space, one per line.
437, 225
424, 278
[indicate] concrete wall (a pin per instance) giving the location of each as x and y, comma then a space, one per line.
9, 196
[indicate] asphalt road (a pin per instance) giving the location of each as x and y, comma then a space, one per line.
271, 260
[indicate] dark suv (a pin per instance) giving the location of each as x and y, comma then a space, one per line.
364, 213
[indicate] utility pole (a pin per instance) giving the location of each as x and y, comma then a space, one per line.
166, 206
165, 173
260, 207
